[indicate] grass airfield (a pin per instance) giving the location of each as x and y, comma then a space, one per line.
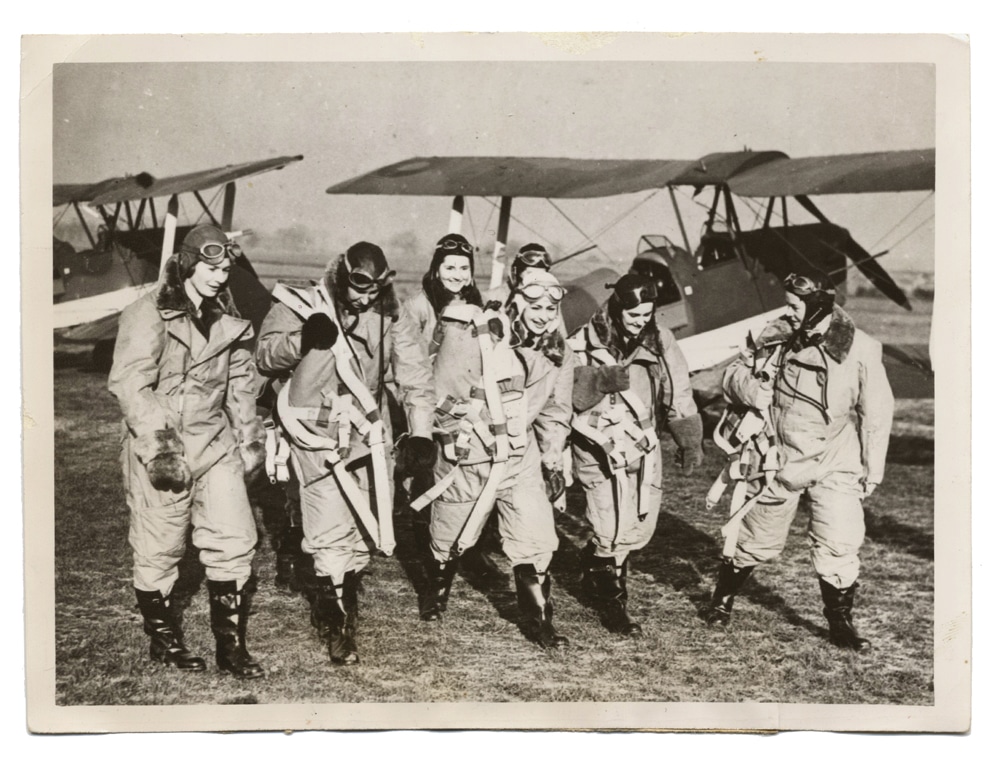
774, 651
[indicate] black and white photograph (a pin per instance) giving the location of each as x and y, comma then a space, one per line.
512, 381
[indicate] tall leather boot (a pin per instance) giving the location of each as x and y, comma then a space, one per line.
731, 580
434, 600
166, 642
607, 584
838, 603
534, 596
335, 614
229, 608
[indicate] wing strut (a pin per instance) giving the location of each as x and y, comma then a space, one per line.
228, 202
169, 232
83, 223
457, 215
680, 222
207, 210
806, 202
139, 213
496, 274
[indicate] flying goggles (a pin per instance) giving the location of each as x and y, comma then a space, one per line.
455, 245
535, 258
213, 253
535, 291
801, 285
363, 282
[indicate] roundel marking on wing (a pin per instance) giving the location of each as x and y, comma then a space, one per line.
407, 168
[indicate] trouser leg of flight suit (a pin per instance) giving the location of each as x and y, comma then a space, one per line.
609, 520
224, 528
453, 509
526, 520
217, 505
765, 528
158, 524
836, 528
330, 530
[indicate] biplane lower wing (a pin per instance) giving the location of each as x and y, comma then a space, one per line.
101, 329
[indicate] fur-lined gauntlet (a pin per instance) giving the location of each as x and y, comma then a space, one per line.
591, 384
163, 455
416, 456
688, 432
252, 446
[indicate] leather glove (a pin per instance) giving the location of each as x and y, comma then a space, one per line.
252, 449
492, 306
688, 433
555, 483
417, 456
319, 331
163, 456
612, 378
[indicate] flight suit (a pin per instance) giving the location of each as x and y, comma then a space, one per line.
832, 414
331, 532
167, 376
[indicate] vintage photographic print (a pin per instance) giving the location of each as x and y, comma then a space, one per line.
497, 382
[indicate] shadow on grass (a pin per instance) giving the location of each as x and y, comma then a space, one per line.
82, 360
478, 567
911, 450
680, 556
189, 582
895, 535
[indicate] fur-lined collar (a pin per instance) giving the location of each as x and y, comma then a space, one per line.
171, 296
836, 341
335, 282
619, 343
551, 345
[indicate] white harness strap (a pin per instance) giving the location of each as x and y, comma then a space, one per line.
368, 422
501, 441
276, 453
495, 437
635, 439
748, 438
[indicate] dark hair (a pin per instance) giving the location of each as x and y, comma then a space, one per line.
436, 292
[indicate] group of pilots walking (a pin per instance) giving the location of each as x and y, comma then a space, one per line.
501, 408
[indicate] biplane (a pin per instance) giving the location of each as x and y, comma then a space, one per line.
129, 239
728, 283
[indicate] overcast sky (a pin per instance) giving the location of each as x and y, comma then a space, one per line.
350, 118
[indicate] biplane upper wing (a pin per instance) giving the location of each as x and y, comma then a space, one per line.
750, 173
126, 189
486, 176
85, 193
886, 172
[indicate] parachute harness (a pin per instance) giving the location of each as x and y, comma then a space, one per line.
488, 429
626, 433
340, 410
748, 438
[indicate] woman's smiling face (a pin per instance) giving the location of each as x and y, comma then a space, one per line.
633, 320
538, 316
455, 273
